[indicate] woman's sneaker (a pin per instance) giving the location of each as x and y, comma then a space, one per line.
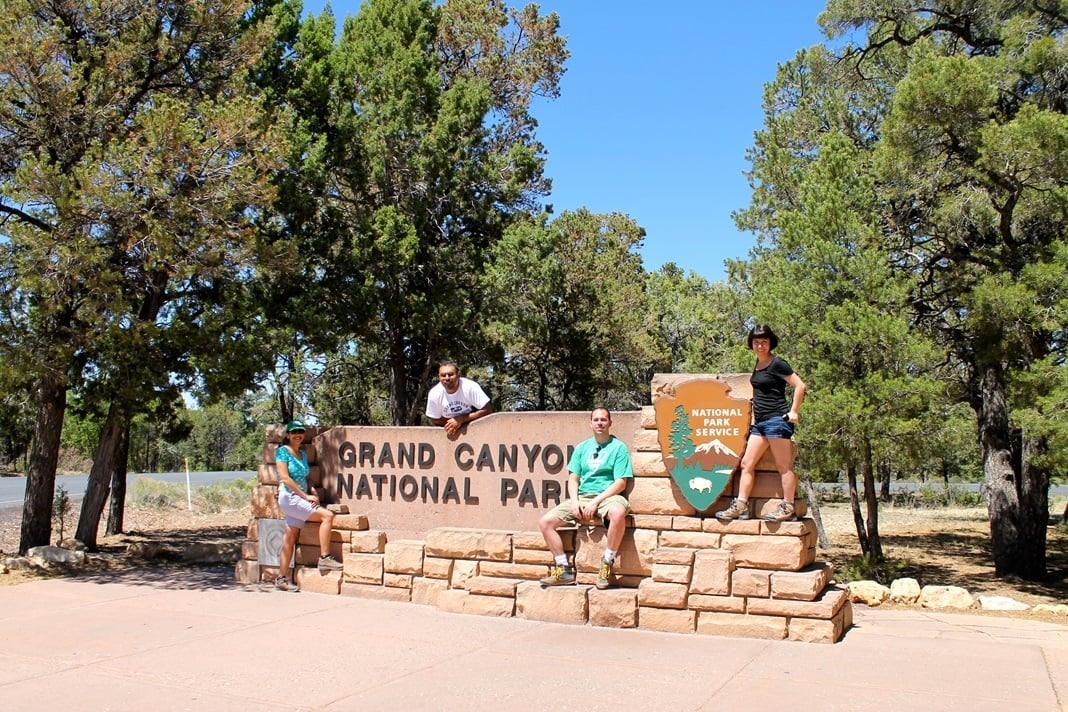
783, 513
283, 584
329, 563
737, 510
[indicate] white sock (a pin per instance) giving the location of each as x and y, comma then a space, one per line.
561, 560
609, 556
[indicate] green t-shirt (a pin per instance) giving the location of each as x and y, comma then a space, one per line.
598, 466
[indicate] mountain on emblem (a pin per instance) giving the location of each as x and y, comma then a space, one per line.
701, 430
717, 447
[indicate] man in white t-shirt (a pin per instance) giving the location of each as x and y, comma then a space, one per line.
455, 400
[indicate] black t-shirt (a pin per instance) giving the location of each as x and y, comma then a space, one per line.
769, 390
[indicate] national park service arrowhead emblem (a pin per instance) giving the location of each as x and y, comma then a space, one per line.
702, 432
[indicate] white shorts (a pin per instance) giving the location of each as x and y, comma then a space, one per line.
295, 508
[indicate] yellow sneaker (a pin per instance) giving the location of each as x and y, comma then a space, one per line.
605, 579
559, 576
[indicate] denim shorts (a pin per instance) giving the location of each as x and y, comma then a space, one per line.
776, 426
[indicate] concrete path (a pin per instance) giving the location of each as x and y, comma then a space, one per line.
162, 640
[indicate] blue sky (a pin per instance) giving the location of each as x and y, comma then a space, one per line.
657, 108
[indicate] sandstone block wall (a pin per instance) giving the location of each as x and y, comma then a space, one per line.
677, 571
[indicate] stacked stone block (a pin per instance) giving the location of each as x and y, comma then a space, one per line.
677, 571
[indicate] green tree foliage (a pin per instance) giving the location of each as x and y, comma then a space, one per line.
957, 112
973, 167
353, 388
219, 439
155, 438
700, 322
822, 271
133, 161
16, 415
421, 152
569, 312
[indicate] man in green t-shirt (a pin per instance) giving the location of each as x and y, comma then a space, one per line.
597, 478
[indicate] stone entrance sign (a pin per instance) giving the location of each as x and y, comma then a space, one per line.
453, 522
504, 472
702, 430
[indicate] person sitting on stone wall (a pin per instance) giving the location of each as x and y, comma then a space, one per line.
597, 478
455, 400
299, 505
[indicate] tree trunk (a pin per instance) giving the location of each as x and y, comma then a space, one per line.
871, 499
1018, 541
408, 373
418, 402
41, 472
285, 404
854, 504
398, 394
814, 510
1034, 503
117, 510
100, 476
884, 482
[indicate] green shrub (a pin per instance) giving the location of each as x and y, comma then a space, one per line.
961, 497
60, 510
868, 568
148, 493
931, 497
834, 494
156, 494
222, 496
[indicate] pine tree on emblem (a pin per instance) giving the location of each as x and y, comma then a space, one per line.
682, 446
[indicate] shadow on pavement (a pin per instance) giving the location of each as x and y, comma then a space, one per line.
175, 577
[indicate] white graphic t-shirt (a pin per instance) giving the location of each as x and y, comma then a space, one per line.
468, 397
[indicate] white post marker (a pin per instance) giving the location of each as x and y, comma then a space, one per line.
188, 489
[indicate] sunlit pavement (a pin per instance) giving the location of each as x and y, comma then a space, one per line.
194, 640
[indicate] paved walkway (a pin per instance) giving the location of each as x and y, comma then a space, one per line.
165, 640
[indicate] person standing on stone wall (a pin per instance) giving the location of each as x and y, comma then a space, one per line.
455, 400
299, 505
597, 478
773, 427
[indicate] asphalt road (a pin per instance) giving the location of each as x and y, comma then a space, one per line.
13, 489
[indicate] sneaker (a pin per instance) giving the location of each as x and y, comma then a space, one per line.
283, 584
737, 510
559, 576
605, 579
329, 563
783, 513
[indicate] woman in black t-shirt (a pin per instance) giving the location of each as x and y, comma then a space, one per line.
773, 427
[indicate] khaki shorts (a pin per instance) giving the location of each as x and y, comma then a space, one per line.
562, 511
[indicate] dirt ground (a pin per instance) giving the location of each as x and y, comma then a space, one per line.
171, 530
949, 547
934, 546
